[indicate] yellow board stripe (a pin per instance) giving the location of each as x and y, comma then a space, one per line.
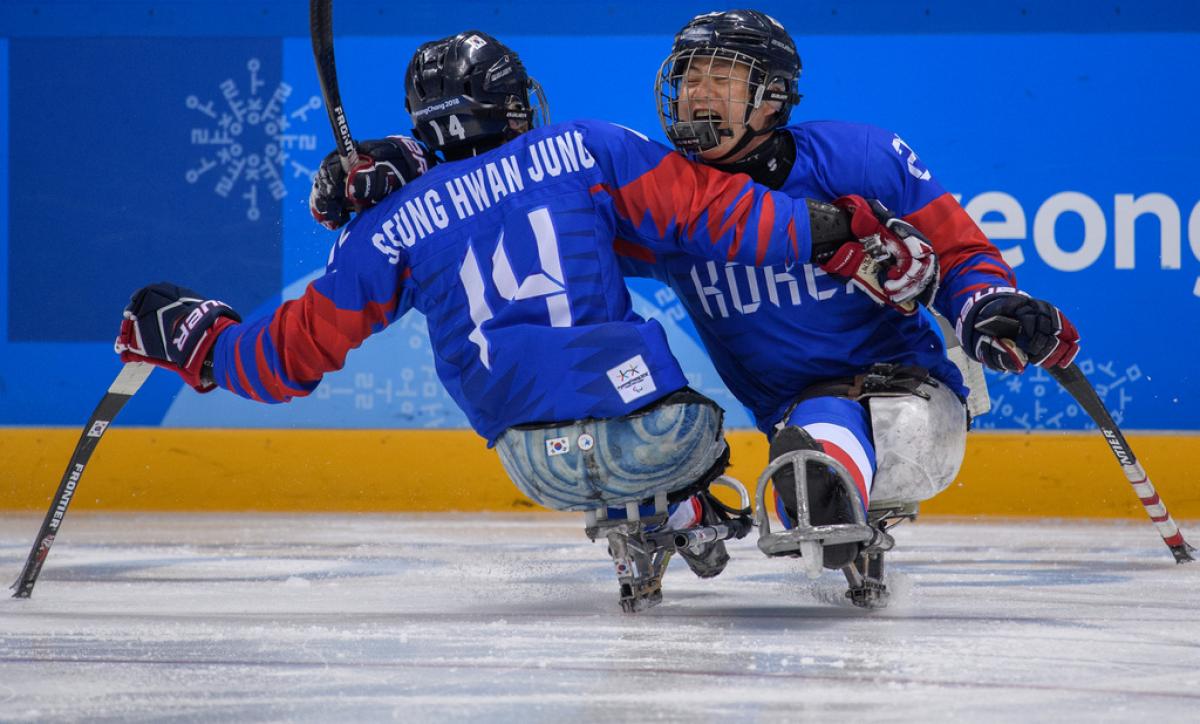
1005, 474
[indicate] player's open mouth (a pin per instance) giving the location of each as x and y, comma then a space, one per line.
707, 115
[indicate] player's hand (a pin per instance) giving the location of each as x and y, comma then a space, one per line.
383, 166
1005, 329
892, 261
173, 327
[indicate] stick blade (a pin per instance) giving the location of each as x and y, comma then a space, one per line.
127, 382
1183, 553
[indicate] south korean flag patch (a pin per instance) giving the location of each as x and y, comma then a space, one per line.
557, 446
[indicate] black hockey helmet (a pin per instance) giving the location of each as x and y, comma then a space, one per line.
741, 37
468, 93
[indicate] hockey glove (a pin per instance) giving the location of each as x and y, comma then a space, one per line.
383, 166
1005, 329
174, 328
887, 247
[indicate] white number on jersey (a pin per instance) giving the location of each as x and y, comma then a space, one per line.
549, 283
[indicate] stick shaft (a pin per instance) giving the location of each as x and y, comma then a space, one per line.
127, 382
320, 26
1073, 380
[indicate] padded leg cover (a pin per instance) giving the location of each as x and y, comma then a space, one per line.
919, 444
592, 463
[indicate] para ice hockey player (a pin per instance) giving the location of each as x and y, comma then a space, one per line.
820, 365
510, 252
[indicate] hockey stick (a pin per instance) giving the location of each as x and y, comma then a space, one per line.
320, 27
1003, 329
128, 381
1073, 381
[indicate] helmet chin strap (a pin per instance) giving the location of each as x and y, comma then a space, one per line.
750, 134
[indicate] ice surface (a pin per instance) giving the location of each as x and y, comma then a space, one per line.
488, 618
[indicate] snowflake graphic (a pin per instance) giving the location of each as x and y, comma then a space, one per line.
251, 140
1034, 401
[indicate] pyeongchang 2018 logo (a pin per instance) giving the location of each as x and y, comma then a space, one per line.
249, 140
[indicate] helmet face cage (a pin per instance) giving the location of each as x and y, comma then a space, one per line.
755, 48
537, 107
715, 84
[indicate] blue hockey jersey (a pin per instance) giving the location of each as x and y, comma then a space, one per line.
510, 256
774, 332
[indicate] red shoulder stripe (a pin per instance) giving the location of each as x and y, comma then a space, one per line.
766, 222
312, 335
272, 382
677, 191
955, 236
737, 217
243, 379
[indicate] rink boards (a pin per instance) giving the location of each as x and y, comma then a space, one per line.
142, 469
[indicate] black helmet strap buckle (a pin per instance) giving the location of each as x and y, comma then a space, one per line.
749, 135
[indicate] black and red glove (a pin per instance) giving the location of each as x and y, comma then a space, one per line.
174, 328
383, 166
1005, 329
887, 247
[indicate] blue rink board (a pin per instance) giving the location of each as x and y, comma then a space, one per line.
1049, 147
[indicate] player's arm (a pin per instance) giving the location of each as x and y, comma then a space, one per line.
661, 201
876, 164
976, 283
279, 356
